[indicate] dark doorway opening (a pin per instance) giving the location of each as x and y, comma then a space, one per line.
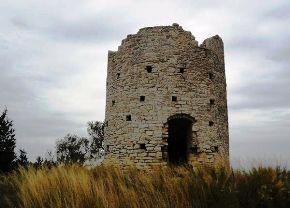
179, 139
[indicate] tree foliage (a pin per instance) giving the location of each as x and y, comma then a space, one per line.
96, 133
72, 149
7, 143
49, 160
23, 160
75, 149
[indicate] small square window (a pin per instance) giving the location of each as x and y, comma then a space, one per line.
149, 69
118, 75
174, 98
210, 123
181, 70
211, 101
142, 98
216, 149
128, 118
113, 102
143, 146
210, 76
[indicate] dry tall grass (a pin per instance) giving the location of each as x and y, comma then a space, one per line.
108, 186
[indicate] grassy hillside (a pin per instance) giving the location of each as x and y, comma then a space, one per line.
108, 186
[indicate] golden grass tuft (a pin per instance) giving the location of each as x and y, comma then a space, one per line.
109, 186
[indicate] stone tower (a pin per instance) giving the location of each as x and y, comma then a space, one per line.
166, 99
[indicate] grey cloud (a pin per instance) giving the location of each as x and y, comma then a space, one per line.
45, 123
38, 135
266, 140
245, 155
98, 28
265, 32
30, 65
281, 54
246, 42
280, 12
272, 48
268, 80
95, 29
265, 92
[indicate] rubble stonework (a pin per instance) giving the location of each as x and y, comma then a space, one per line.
160, 75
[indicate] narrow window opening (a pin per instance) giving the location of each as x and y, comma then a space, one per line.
181, 70
142, 98
210, 123
210, 76
174, 98
108, 148
128, 118
212, 101
143, 146
113, 102
118, 75
149, 69
107, 123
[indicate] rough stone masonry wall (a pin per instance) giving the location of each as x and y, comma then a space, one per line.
200, 92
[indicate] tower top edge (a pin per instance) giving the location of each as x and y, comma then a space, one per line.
175, 27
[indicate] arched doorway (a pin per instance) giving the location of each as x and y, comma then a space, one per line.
179, 138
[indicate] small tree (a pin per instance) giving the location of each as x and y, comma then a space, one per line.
22, 160
72, 149
96, 132
7, 143
49, 160
38, 163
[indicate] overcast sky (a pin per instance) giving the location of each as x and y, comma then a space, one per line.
53, 59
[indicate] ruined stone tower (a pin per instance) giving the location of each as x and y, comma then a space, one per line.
166, 99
